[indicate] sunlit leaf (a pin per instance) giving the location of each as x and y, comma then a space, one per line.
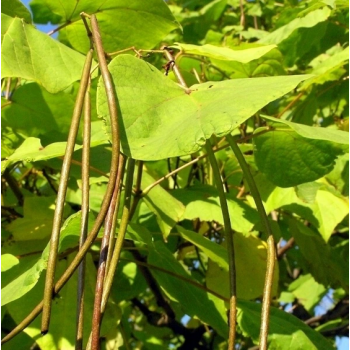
171, 121
224, 53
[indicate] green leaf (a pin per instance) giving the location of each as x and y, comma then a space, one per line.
309, 21
129, 282
167, 209
22, 56
224, 53
160, 119
31, 150
14, 8
116, 22
339, 176
285, 330
326, 211
37, 219
202, 201
328, 265
33, 111
323, 70
250, 271
315, 133
298, 159
307, 291
193, 301
25, 282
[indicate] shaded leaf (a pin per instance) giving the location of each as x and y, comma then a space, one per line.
170, 121
298, 159
37, 219
309, 21
34, 111
327, 265
22, 56
193, 301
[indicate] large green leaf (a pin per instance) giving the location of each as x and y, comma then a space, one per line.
117, 22
298, 159
250, 271
202, 201
27, 280
30, 54
193, 301
14, 8
285, 330
224, 53
160, 119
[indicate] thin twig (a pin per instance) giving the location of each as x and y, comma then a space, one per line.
137, 191
281, 251
51, 32
180, 277
148, 188
291, 104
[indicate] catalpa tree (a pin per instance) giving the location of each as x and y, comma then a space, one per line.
175, 174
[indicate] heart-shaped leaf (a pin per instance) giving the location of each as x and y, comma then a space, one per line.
160, 119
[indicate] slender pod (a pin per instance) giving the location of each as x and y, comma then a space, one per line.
84, 216
271, 254
61, 194
229, 244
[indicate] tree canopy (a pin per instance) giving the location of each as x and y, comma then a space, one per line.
188, 161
